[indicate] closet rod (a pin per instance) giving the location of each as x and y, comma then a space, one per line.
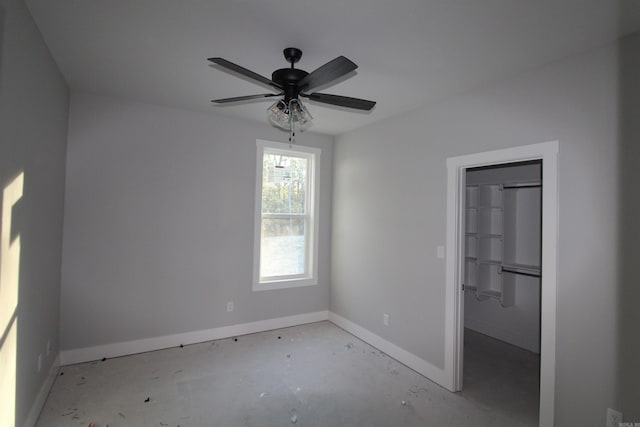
523, 186
524, 273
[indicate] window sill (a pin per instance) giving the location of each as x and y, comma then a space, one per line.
284, 284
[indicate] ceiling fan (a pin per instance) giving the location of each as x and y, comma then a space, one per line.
293, 83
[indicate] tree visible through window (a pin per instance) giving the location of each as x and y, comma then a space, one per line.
287, 217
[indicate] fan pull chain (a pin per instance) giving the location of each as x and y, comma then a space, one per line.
292, 131
292, 136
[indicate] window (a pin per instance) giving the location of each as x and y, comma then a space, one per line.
286, 229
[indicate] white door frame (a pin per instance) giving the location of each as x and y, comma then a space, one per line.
454, 298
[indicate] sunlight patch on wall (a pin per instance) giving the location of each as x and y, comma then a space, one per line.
9, 281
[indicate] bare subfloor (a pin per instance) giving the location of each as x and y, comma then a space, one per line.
310, 375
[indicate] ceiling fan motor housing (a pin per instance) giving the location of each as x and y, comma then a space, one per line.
288, 78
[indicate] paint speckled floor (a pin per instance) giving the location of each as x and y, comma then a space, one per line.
310, 375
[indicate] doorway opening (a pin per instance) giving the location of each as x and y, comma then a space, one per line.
501, 284
490, 249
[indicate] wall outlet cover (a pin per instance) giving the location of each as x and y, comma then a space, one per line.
385, 319
229, 306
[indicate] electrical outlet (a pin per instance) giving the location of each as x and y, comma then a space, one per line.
385, 319
49, 348
229, 306
614, 418
440, 252
39, 362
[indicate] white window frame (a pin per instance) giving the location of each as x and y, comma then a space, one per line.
311, 256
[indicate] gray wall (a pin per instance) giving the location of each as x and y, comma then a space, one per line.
390, 206
33, 125
159, 223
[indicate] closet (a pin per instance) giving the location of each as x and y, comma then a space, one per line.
503, 253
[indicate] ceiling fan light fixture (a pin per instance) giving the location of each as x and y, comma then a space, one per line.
283, 115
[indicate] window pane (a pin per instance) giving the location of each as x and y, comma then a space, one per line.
284, 184
282, 247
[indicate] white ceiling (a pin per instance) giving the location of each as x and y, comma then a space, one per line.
409, 52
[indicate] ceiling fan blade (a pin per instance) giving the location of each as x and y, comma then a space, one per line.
247, 73
330, 71
245, 98
343, 101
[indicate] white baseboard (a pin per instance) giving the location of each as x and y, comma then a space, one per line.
41, 398
87, 354
519, 340
419, 365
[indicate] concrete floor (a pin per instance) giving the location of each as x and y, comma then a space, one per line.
309, 375
501, 376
